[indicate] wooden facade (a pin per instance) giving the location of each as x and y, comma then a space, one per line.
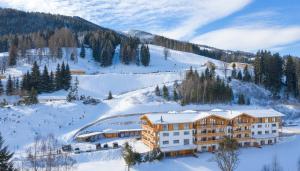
209, 131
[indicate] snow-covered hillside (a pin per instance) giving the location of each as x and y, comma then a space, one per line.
132, 87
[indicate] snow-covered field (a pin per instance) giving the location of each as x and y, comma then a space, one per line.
132, 88
287, 152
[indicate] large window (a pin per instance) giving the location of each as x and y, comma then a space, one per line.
186, 141
165, 134
175, 141
176, 133
186, 132
165, 142
165, 127
186, 126
175, 126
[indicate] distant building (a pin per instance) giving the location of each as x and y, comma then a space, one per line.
185, 133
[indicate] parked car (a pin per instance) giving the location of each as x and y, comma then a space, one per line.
67, 148
98, 146
105, 146
77, 150
115, 145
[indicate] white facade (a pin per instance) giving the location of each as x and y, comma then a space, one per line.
175, 138
265, 133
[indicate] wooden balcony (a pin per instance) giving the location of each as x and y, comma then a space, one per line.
210, 134
209, 142
210, 126
241, 124
247, 131
248, 139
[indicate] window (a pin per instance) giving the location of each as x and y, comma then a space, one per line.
165, 142
259, 132
266, 132
259, 126
175, 133
186, 126
165, 128
175, 141
253, 133
274, 131
273, 125
186, 141
165, 134
175, 126
186, 133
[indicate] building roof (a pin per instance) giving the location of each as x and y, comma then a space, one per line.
186, 117
171, 118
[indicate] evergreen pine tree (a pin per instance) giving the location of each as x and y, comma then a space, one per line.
239, 75
25, 85
51, 82
67, 77
145, 55
175, 95
63, 76
35, 77
45, 80
12, 57
59, 53
157, 91
58, 79
17, 86
241, 99
9, 86
165, 92
247, 76
32, 99
6, 163
109, 96
291, 78
72, 57
82, 51
1, 88
233, 73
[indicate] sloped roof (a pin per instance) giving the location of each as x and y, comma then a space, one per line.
187, 117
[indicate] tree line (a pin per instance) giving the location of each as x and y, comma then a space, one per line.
45, 82
204, 88
232, 56
35, 82
277, 73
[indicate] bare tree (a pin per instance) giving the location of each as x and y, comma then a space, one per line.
266, 168
275, 164
32, 153
227, 157
225, 68
45, 154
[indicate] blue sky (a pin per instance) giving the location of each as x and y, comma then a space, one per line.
229, 24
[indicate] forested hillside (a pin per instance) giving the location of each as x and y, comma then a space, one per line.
207, 51
20, 22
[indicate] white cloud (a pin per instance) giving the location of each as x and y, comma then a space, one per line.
205, 11
250, 38
174, 18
